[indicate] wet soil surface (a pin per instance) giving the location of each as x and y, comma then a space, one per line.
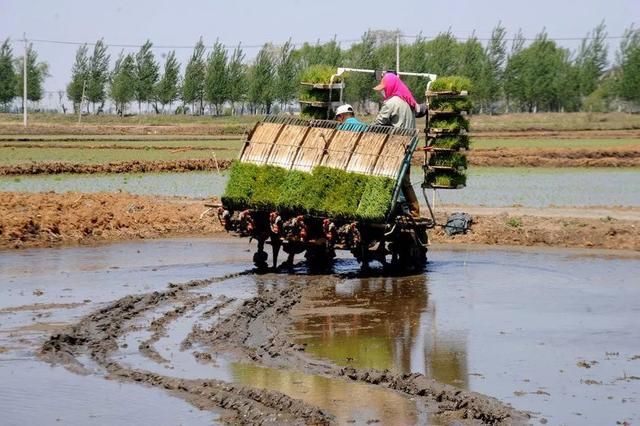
550, 333
49, 219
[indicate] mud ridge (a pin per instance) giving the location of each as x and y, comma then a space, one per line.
136, 166
55, 144
256, 330
97, 335
158, 326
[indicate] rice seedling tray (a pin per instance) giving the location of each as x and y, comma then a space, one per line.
334, 86
320, 104
447, 94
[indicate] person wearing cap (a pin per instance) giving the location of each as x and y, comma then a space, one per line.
399, 110
346, 117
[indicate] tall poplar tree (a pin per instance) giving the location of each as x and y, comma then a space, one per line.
167, 90
216, 88
7, 74
79, 77
98, 74
147, 73
194, 76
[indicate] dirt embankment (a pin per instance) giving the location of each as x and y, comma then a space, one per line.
256, 331
560, 157
116, 167
213, 129
49, 219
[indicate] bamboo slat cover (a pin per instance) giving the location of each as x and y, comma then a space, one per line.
312, 148
391, 157
366, 153
340, 149
262, 139
286, 146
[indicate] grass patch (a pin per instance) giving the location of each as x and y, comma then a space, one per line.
514, 222
324, 191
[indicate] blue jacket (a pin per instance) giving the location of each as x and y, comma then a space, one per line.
352, 124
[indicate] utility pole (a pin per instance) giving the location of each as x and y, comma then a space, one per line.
398, 52
24, 80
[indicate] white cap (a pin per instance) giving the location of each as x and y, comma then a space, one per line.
343, 109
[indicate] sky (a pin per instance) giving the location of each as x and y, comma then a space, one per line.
252, 22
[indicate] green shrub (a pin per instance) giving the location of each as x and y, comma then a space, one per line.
451, 83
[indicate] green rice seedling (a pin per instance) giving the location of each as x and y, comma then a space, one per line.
451, 142
343, 197
318, 74
448, 179
376, 199
451, 83
448, 159
314, 113
318, 95
293, 191
455, 123
450, 104
268, 187
240, 186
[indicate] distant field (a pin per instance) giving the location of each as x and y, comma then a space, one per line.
133, 120
124, 143
479, 143
43, 124
13, 156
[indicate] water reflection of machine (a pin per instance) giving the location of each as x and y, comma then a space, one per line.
384, 323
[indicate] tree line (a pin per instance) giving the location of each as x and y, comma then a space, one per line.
508, 74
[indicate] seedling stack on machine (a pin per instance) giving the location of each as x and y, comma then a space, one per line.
315, 186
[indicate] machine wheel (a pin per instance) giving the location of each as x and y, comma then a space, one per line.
319, 257
260, 260
408, 251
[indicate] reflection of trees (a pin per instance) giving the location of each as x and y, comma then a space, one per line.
346, 400
384, 323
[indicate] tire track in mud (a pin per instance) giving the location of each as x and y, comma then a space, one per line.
255, 331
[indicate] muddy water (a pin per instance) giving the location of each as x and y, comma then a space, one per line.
529, 187
553, 332
519, 325
542, 187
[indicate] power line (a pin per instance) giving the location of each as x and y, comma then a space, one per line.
298, 44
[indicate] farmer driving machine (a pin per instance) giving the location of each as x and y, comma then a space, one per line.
316, 186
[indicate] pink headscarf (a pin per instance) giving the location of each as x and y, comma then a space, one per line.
393, 86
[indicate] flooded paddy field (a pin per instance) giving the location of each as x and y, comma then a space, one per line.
527, 187
185, 330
